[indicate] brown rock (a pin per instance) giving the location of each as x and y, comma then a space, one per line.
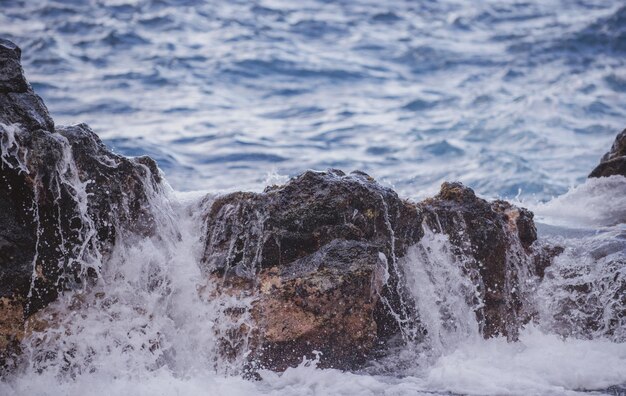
614, 161
326, 240
495, 239
11, 332
320, 256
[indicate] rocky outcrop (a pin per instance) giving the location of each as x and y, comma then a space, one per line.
18, 102
495, 239
614, 161
321, 256
63, 199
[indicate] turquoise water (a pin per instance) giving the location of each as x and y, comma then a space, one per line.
514, 98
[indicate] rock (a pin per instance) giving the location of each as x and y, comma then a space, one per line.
18, 102
585, 290
614, 161
495, 239
11, 332
64, 198
320, 256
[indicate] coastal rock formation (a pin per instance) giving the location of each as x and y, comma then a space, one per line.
496, 241
321, 252
614, 161
64, 197
323, 258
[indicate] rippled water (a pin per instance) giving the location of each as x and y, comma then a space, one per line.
514, 98
502, 95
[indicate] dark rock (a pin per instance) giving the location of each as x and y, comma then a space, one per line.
248, 231
321, 256
64, 198
325, 236
18, 102
495, 240
614, 161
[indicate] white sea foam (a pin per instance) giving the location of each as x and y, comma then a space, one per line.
539, 364
598, 202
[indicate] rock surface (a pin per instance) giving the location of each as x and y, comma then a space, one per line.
63, 198
320, 253
321, 256
18, 102
614, 161
496, 240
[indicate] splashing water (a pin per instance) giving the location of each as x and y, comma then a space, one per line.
491, 94
446, 297
153, 323
147, 327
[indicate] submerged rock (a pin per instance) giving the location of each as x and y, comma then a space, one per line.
64, 197
614, 161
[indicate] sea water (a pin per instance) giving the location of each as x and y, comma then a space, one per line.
509, 97
517, 99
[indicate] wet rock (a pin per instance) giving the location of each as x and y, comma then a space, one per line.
11, 332
18, 102
320, 254
315, 302
64, 199
495, 241
585, 288
330, 241
614, 161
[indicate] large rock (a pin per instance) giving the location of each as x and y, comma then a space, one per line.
614, 161
495, 240
64, 197
320, 255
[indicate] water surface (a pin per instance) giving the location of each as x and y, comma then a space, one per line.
509, 97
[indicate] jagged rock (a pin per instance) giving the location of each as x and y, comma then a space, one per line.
614, 161
328, 242
64, 197
495, 239
18, 102
321, 256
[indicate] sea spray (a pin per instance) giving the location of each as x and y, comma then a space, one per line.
583, 294
445, 296
140, 304
150, 309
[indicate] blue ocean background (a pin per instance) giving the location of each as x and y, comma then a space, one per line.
513, 98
